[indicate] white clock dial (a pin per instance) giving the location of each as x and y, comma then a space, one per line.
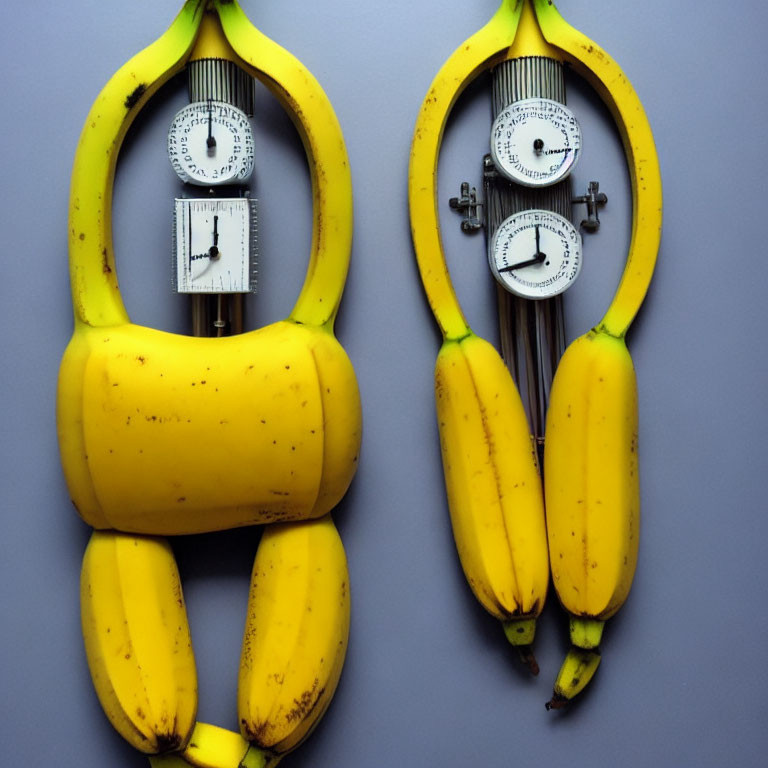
214, 245
535, 254
535, 142
211, 143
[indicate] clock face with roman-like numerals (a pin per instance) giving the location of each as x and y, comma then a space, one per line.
535, 254
535, 142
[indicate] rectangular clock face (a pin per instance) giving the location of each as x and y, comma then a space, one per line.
214, 245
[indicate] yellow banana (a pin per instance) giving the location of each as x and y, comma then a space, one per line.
493, 485
168, 434
590, 458
137, 640
591, 483
295, 634
577, 670
176, 433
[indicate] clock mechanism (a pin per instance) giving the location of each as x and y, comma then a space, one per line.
535, 250
211, 148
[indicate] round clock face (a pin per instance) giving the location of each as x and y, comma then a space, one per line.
535, 254
211, 143
535, 142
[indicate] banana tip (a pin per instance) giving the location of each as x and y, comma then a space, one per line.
556, 702
528, 659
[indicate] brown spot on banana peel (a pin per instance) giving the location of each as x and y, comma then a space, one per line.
135, 95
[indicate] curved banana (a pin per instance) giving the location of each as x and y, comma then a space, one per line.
161, 433
593, 495
295, 635
592, 486
493, 485
499, 529
137, 640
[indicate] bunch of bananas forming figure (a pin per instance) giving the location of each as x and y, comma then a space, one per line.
582, 523
275, 412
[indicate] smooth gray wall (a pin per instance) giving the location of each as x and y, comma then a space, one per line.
429, 679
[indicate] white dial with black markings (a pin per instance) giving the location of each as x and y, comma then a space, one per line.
535, 254
214, 245
535, 142
211, 143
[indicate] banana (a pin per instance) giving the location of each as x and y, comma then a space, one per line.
591, 485
295, 634
166, 434
577, 670
493, 485
173, 433
591, 478
492, 481
137, 640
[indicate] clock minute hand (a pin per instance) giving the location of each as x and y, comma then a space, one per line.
213, 251
210, 142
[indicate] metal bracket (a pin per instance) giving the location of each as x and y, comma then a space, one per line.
592, 199
467, 204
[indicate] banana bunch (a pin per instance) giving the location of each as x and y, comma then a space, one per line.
162, 434
591, 488
139, 650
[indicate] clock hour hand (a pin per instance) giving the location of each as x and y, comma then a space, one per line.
538, 257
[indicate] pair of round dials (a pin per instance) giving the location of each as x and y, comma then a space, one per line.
535, 253
210, 143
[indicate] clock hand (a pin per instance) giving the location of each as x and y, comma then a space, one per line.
538, 148
213, 251
210, 141
538, 257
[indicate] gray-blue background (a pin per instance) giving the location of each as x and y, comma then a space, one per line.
429, 679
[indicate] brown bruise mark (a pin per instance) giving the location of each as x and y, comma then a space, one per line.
135, 95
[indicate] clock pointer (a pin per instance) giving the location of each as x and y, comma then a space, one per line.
213, 251
538, 257
210, 142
